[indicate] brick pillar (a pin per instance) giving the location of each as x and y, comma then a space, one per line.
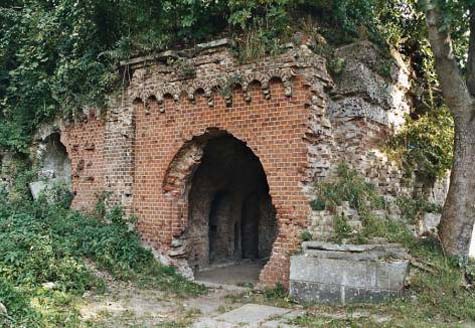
119, 156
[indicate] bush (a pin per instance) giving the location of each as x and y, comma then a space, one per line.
348, 186
425, 144
42, 242
362, 196
20, 314
413, 207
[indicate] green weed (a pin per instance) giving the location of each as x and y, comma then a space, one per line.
42, 243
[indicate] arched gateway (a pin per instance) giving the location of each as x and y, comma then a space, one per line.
225, 191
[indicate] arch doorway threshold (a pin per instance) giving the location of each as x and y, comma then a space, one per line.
243, 273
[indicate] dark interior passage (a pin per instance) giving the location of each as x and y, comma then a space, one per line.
230, 209
250, 227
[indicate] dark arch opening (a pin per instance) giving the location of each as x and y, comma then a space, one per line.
54, 166
231, 215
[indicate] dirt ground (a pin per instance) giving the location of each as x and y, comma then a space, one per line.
125, 305
231, 302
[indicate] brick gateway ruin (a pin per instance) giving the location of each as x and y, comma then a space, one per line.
217, 159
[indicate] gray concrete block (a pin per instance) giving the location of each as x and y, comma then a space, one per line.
310, 292
328, 273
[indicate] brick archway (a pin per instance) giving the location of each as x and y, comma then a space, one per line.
284, 109
168, 146
225, 200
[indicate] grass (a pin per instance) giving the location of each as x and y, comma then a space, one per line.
43, 243
129, 319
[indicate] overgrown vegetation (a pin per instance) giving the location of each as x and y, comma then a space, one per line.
349, 186
59, 56
43, 243
425, 145
362, 196
413, 207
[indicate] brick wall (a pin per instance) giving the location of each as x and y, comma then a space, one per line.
273, 129
84, 142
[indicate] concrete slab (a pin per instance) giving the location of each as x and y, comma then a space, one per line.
249, 315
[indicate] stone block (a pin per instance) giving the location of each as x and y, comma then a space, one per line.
430, 222
36, 188
328, 273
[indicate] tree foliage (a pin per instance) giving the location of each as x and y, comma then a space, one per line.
59, 56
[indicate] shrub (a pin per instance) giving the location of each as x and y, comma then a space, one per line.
342, 228
20, 313
45, 242
411, 208
425, 144
306, 235
348, 186
362, 196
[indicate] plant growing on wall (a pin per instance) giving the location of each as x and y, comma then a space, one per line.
425, 144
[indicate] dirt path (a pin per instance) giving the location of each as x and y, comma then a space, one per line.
124, 305
224, 306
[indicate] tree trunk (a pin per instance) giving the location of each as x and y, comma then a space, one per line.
458, 215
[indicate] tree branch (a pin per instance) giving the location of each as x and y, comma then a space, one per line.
453, 86
471, 54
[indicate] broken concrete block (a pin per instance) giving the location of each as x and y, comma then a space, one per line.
430, 222
329, 273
